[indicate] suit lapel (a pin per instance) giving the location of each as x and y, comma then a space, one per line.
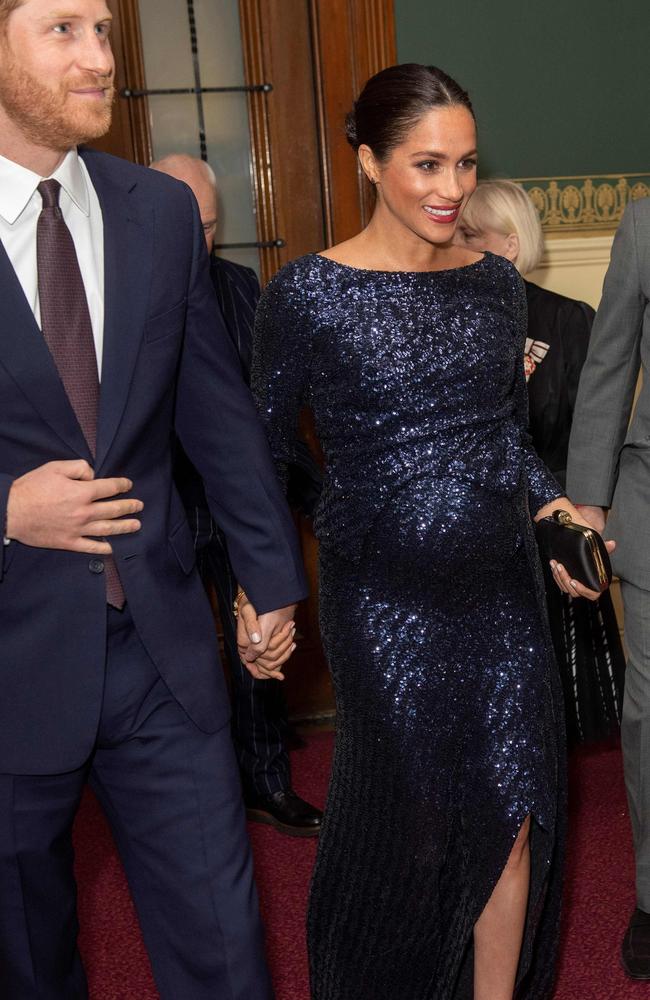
25, 355
127, 275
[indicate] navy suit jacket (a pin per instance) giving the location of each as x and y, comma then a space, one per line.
163, 370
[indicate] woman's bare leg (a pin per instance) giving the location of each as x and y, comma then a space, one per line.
498, 932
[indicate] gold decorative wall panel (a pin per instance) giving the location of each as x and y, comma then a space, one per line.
580, 204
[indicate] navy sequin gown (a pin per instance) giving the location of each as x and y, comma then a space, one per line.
432, 615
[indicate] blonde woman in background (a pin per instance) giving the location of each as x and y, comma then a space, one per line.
500, 217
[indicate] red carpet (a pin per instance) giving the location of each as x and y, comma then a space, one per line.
599, 895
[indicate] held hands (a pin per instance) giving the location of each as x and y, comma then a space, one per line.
595, 517
265, 642
588, 517
61, 505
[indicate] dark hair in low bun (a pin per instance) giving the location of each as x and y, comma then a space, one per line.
351, 128
394, 100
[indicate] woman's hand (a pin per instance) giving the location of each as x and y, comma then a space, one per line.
566, 584
264, 657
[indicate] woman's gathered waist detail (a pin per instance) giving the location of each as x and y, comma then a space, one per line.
361, 481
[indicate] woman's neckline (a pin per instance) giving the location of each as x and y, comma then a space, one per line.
369, 270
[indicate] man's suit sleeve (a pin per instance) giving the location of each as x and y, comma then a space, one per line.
220, 430
609, 376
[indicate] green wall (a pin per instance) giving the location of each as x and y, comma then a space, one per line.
560, 87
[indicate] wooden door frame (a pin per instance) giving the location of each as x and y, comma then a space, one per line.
350, 40
130, 133
363, 45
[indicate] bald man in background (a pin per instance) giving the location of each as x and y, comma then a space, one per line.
259, 707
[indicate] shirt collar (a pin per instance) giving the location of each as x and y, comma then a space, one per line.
18, 184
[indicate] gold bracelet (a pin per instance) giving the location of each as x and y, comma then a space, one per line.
237, 602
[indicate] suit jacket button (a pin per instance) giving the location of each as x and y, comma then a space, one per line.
96, 565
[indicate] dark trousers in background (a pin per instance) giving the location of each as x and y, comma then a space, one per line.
259, 707
172, 796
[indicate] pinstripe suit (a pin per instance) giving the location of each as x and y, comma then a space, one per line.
238, 292
259, 708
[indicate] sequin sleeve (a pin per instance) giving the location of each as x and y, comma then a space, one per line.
279, 374
542, 485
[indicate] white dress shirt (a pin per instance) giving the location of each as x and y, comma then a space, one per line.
20, 207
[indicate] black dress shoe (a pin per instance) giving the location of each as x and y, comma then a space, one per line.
286, 811
635, 951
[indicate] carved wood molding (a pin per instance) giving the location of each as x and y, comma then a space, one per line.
255, 72
127, 41
362, 44
375, 49
349, 41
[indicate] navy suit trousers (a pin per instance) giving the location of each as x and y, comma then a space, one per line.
172, 796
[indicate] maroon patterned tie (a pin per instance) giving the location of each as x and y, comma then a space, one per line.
65, 321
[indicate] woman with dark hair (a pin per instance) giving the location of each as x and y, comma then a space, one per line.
438, 872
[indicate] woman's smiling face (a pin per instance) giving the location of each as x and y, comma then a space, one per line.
426, 180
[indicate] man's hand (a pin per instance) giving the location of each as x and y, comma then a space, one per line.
266, 642
595, 517
62, 506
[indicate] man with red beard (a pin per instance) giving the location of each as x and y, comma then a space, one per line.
108, 663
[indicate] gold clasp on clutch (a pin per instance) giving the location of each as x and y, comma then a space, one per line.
565, 518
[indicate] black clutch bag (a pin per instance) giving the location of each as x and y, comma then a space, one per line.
580, 550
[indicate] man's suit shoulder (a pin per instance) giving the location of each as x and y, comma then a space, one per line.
636, 220
547, 298
548, 308
234, 280
640, 209
151, 182
632, 242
